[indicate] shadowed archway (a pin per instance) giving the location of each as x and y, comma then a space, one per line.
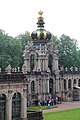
16, 106
2, 107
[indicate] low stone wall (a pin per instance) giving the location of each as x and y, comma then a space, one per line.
34, 115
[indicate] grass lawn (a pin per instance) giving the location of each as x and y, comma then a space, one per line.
42, 107
73, 114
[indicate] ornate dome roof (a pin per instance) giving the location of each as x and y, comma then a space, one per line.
41, 35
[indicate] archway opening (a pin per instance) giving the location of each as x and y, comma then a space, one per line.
2, 107
16, 106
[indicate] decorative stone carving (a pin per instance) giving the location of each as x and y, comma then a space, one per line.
8, 69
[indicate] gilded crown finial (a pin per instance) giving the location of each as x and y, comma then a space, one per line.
40, 13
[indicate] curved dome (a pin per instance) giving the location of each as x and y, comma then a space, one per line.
41, 35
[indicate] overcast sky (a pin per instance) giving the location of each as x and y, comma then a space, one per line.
60, 16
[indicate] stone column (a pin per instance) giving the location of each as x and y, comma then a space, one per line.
67, 85
72, 84
39, 64
28, 64
9, 109
76, 82
57, 86
30, 88
53, 65
55, 62
37, 81
36, 64
43, 64
24, 106
36, 86
47, 86
46, 64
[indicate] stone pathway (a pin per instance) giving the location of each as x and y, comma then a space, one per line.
64, 106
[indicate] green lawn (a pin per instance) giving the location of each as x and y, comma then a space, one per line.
73, 114
42, 107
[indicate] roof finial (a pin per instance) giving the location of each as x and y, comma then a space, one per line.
40, 13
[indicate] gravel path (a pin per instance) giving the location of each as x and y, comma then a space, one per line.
64, 106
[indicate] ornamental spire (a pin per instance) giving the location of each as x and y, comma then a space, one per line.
40, 22
40, 13
40, 36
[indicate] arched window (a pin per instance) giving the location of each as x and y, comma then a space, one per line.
69, 84
79, 82
50, 61
65, 84
32, 87
16, 106
32, 62
2, 107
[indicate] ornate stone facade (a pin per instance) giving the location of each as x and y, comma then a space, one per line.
13, 96
41, 64
41, 68
43, 76
40, 77
70, 80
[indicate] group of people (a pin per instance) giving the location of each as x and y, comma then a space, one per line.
49, 102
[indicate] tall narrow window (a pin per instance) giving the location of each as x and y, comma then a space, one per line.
69, 84
51, 86
32, 87
79, 82
2, 107
32, 62
65, 84
16, 106
50, 61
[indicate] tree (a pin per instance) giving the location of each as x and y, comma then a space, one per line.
67, 51
55, 40
24, 38
10, 51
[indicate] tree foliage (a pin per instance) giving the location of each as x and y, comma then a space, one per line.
24, 38
68, 52
11, 50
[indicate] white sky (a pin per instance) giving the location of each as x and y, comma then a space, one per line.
60, 16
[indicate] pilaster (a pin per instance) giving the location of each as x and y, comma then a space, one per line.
9, 109
24, 107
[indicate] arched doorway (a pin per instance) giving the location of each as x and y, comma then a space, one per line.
2, 107
16, 106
